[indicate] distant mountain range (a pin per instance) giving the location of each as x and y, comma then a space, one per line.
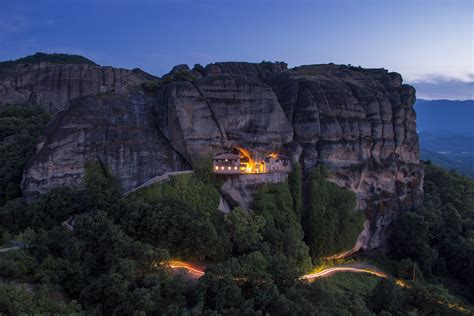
445, 115
446, 130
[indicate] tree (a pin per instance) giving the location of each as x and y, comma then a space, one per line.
19, 128
282, 232
388, 297
245, 230
295, 182
330, 221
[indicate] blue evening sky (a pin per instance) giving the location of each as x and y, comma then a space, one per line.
430, 42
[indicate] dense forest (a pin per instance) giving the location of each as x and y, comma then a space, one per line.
114, 258
439, 236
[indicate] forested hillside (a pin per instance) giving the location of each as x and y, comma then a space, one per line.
439, 237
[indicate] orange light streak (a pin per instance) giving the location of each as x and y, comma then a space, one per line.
176, 264
198, 272
329, 271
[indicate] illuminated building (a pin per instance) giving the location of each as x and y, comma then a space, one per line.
241, 162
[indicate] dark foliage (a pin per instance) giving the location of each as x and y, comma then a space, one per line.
439, 236
331, 225
50, 58
19, 128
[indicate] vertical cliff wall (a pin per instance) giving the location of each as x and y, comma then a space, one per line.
360, 123
119, 130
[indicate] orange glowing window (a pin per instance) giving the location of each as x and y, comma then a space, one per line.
228, 168
235, 168
222, 168
217, 167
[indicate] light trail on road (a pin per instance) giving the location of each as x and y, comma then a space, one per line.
197, 271
329, 271
181, 265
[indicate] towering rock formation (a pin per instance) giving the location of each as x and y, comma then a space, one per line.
116, 129
358, 122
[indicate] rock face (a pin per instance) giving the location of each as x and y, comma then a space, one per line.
118, 130
221, 111
360, 123
240, 189
52, 85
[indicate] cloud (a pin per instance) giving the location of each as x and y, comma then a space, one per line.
432, 86
450, 89
436, 78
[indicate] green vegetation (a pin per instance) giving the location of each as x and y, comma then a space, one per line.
296, 183
330, 223
20, 299
179, 215
50, 58
19, 128
153, 86
282, 230
439, 236
199, 68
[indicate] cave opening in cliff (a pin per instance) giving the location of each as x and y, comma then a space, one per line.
240, 161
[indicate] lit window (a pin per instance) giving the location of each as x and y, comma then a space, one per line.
235, 168
222, 168
217, 168
229, 168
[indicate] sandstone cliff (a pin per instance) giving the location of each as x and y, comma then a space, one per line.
52, 85
118, 130
359, 122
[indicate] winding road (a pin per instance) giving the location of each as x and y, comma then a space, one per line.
197, 271
357, 268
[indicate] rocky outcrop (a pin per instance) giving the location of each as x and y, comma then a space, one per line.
53, 85
219, 112
359, 123
118, 130
240, 189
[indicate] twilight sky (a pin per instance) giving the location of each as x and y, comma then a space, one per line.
430, 42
